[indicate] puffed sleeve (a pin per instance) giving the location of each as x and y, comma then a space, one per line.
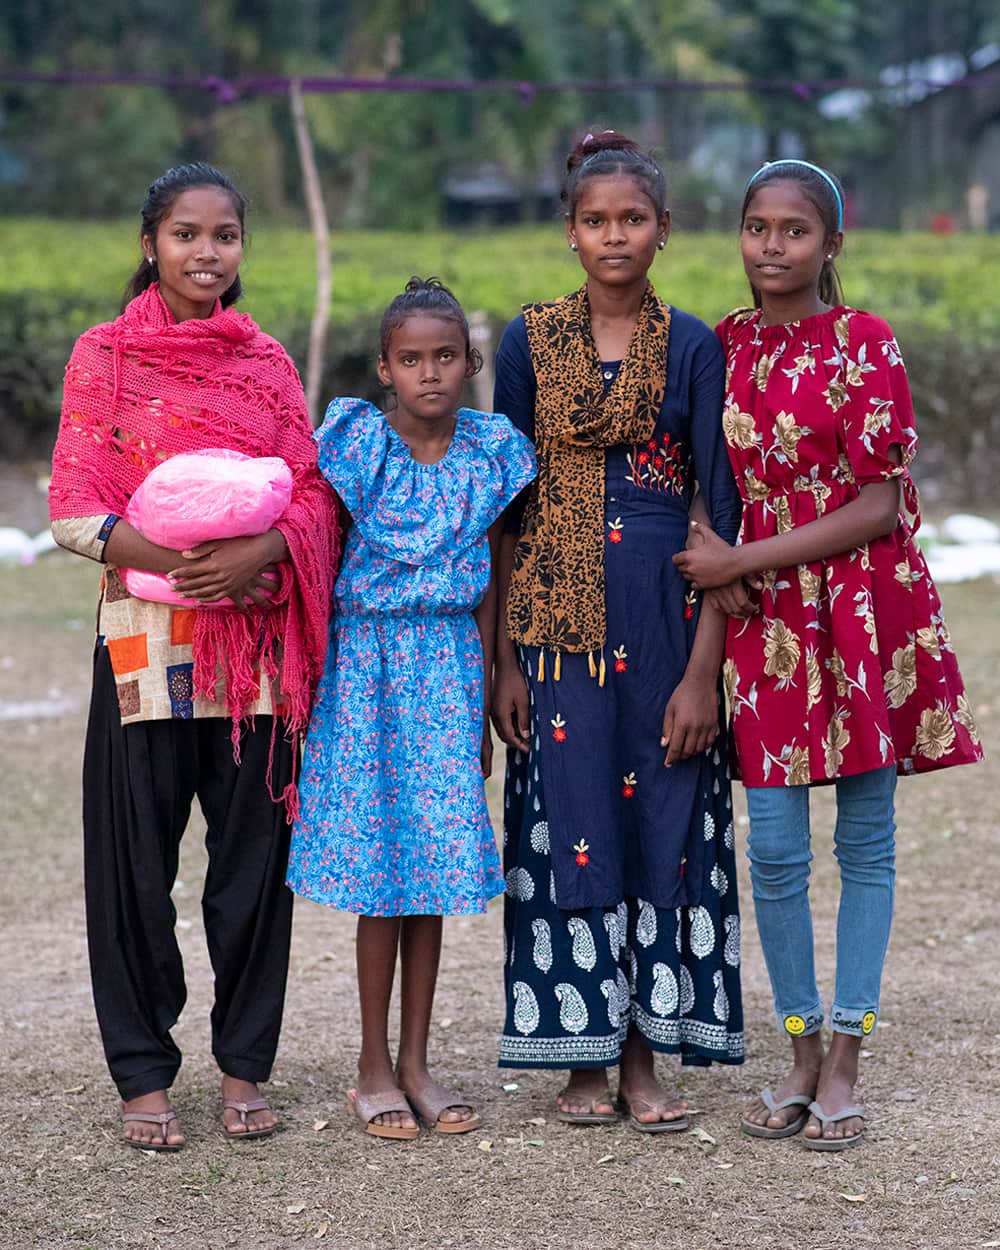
877, 412
352, 444
509, 453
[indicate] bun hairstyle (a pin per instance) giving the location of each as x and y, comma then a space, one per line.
431, 297
824, 191
612, 153
160, 200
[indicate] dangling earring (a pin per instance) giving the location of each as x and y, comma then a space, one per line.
829, 256
151, 260
573, 247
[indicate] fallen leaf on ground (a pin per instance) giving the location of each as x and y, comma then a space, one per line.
320, 1125
323, 1229
675, 1180
486, 1144
446, 1023
296, 1208
510, 1086
75, 1089
706, 1141
855, 1197
725, 1165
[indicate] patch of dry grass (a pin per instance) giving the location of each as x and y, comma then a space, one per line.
928, 1177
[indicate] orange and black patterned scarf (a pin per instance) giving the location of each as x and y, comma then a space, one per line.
556, 594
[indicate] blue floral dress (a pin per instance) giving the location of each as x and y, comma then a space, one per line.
393, 818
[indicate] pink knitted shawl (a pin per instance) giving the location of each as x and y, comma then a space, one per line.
144, 387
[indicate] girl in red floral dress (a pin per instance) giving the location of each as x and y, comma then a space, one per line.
845, 673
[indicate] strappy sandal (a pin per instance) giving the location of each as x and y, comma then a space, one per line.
162, 1118
773, 1106
244, 1108
366, 1107
589, 1117
430, 1105
677, 1125
831, 1144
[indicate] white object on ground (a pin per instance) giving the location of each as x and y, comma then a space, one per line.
962, 563
965, 528
16, 547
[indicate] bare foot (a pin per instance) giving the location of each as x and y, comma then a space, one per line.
807, 1055
379, 1080
646, 1099
145, 1133
261, 1121
586, 1093
420, 1087
835, 1090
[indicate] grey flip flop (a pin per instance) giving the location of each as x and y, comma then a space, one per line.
834, 1143
590, 1117
769, 1101
677, 1125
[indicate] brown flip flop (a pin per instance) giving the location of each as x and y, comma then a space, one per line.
365, 1108
430, 1105
162, 1118
244, 1108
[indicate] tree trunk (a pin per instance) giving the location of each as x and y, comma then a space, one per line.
321, 231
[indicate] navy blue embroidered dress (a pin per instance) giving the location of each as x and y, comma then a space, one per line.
621, 903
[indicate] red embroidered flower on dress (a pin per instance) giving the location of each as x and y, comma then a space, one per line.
581, 848
628, 786
621, 658
615, 530
558, 728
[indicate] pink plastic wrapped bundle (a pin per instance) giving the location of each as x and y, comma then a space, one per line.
201, 495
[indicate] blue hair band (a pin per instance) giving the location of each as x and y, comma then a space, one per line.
791, 160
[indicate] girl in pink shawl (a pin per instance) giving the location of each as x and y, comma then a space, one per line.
203, 701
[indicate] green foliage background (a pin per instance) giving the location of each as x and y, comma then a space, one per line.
57, 278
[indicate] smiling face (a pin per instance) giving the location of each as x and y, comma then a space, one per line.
198, 247
784, 244
616, 229
427, 362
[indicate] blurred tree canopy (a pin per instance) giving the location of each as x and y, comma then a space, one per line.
385, 158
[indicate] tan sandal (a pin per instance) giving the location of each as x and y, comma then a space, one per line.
367, 1107
244, 1108
162, 1118
430, 1105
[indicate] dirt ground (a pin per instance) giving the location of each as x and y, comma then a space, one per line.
928, 1176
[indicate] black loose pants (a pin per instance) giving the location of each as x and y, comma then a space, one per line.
138, 784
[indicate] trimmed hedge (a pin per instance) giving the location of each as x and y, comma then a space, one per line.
57, 278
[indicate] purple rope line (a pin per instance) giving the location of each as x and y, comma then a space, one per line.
228, 91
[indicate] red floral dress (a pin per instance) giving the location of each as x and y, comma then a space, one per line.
848, 666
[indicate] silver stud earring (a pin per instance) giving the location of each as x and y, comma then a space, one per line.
573, 247
662, 244
829, 256
151, 259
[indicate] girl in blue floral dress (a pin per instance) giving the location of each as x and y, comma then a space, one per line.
393, 822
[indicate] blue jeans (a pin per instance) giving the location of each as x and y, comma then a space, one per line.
779, 854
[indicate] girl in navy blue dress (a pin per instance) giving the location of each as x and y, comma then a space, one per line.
622, 928
393, 824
